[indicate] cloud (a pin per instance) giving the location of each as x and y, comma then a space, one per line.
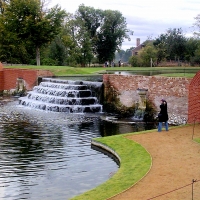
145, 18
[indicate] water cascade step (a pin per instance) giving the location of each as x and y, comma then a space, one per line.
64, 96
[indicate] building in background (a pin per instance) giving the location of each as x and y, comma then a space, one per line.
138, 47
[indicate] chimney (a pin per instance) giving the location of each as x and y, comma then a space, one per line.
137, 42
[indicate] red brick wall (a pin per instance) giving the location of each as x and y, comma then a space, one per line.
1, 66
1, 77
194, 99
30, 77
8, 77
174, 90
1, 80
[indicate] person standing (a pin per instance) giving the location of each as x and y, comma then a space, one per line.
113, 64
119, 63
106, 64
163, 116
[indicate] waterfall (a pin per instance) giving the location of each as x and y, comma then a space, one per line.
64, 96
141, 105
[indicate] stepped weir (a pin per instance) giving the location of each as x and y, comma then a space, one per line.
68, 96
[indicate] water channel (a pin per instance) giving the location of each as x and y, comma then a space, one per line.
48, 155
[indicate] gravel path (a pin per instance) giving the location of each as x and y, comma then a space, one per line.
175, 164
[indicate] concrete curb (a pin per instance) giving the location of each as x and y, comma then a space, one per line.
106, 149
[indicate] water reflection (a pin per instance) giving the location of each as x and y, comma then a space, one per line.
151, 72
110, 128
49, 156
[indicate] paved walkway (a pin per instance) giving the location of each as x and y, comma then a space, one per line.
176, 162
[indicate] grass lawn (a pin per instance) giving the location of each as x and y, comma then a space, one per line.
197, 140
188, 72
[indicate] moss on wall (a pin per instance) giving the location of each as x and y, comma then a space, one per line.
112, 103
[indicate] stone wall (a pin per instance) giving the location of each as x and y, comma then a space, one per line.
174, 90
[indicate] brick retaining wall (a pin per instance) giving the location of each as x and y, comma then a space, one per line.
174, 90
8, 77
1, 80
194, 99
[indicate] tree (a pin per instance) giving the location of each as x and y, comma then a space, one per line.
85, 24
2, 5
176, 43
128, 54
30, 24
111, 35
172, 43
146, 57
196, 58
91, 19
58, 52
148, 54
190, 48
63, 50
161, 46
197, 24
85, 33
8, 47
106, 30
68, 35
134, 61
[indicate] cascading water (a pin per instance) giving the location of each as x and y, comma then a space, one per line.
64, 96
141, 105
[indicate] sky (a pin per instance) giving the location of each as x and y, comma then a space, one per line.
146, 18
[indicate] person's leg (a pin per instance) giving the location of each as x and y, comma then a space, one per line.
166, 126
159, 126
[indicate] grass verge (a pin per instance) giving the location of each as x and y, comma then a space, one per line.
135, 163
197, 140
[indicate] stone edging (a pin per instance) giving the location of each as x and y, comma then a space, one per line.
106, 148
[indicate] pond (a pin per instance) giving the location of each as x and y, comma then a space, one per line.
150, 72
47, 155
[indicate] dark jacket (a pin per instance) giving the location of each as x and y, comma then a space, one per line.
163, 115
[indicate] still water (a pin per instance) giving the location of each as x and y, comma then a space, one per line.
49, 156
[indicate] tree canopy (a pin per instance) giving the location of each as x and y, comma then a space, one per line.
30, 32
106, 30
173, 41
26, 25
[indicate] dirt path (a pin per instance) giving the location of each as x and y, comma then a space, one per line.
176, 162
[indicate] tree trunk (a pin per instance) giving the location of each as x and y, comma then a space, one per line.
38, 56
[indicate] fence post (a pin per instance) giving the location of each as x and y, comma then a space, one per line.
193, 181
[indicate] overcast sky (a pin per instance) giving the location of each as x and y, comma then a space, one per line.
147, 18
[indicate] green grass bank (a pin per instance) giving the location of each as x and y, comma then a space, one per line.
135, 163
